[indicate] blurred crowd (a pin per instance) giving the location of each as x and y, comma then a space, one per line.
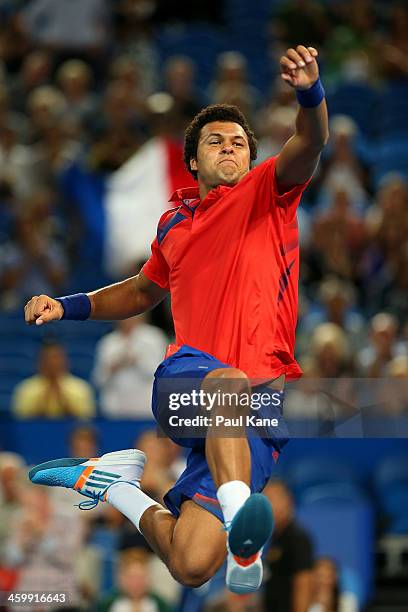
86, 85
98, 559
102, 564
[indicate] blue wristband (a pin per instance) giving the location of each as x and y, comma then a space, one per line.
309, 98
76, 307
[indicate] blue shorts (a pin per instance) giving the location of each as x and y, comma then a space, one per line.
183, 372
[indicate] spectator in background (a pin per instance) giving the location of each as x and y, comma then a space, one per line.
231, 85
46, 105
338, 241
304, 400
74, 78
326, 591
164, 466
133, 590
43, 544
9, 114
43, 210
11, 468
32, 263
326, 394
330, 351
306, 19
387, 229
341, 165
392, 44
35, 72
289, 557
67, 27
125, 70
83, 442
120, 130
392, 394
350, 49
390, 207
57, 149
335, 305
53, 392
134, 38
281, 96
231, 602
17, 161
14, 43
125, 362
179, 75
395, 294
277, 125
384, 346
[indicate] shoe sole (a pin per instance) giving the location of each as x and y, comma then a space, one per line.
244, 581
126, 457
251, 527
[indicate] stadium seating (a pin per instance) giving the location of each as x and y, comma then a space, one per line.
201, 42
357, 100
333, 492
344, 532
390, 155
316, 471
393, 109
391, 489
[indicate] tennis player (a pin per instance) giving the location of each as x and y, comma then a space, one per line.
228, 254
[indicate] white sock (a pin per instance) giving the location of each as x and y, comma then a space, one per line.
130, 501
232, 495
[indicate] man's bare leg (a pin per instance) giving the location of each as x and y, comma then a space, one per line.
228, 458
226, 448
193, 546
247, 518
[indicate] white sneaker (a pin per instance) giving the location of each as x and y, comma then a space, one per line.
244, 575
91, 477
248, 532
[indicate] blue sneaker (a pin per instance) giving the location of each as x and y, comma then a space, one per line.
91, 477
248, 532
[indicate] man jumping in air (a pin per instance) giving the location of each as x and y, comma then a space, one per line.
228, 254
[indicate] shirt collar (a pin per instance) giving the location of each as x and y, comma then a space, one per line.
184, 195
190, 196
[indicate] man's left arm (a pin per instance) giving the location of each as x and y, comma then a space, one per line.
300, 155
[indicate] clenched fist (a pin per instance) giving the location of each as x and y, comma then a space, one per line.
42, 309
299, 67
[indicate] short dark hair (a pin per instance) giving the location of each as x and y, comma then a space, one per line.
216, 112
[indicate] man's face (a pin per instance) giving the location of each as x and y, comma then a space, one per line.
223, 155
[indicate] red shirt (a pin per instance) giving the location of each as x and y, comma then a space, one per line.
231, 264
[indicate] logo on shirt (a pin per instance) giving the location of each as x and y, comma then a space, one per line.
284, 280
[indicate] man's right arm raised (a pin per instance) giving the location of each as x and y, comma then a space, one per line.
118, 301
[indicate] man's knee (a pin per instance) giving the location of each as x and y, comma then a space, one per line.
227, 373
228, 380
231, 390
191, 572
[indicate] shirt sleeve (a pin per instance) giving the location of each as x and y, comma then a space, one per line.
288, 201
156, 268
